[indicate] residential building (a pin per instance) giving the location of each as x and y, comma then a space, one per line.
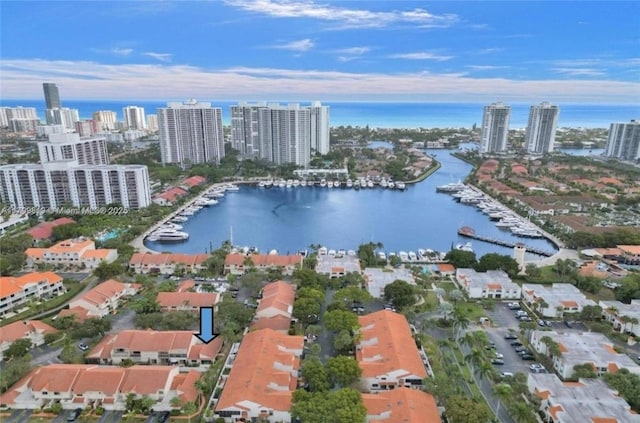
262, 379
70, 146
495, 128
166, 263
630, 254
387, 352
56, 184
186, 301
170, 196
83, 385
624, 141
277, 300
87, 128
24, 125
192, 182
134, 117
62, 116
190, 133
278, 133
154, 347
588, 400
337, 265
490, 284
8, 113
582, 348
80, 252
33, 330
377, 279
239, 264
622, 315
17, 290
104, 298
51, 96
152, 123
402, 405
106, 119
540, 135
555, 300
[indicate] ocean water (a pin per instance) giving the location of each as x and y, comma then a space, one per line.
386, 114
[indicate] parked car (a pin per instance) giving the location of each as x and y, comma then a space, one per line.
83, 346
516, 344
520, 349
74, 415
497, 361
511, 336
568, 324
513, 306
527, 357
498, 355
540, 322
548, 323
163, 417
506, 374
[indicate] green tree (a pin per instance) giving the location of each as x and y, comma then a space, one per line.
306, 310
18, 348
315, 375
494, 261
343, 370
627, 384
400, 293
14, 370
351, 294
345, 406
461, 259
584, 371
106, 270
591, 312
343, 342
69, 353
339, 320
367, 254
311, 293
462, 409
533, 271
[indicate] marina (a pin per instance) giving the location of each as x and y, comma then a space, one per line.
470, 233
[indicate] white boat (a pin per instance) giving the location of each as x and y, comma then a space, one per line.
323, 183
391, 185
179, 219
337, 184
282, 183
273, 252
412, 256
206, 202
351, 253
268, 184
214, 194
356, 184
349, 183
465, 247
168, 235
303, 183
382, 255
384, 183
289, 183
370, 184
452, 187
296, 183
422, 254
330, 184
231, 188
170, 225
331, 252
401, 186
322, 251
403, 255
262, 184
188, 212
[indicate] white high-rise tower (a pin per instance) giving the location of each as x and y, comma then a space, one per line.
134, 117
624, 141
495, 128
541, 129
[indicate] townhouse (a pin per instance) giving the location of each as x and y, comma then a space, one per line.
262, 379
623, 317
154, 347
167, 263
16, 291
377, 279
78, 253
44, 230
276, 306
337, 265
102, 299
582, 348
630, 254
555, 300
170, 196
387, 352
186, 301
85, 385
401, 405
239, 264
33, 330
588, 400
494, 284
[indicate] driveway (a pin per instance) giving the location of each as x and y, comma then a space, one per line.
110, 417
124, 319
45, 354
325, 339
19, 416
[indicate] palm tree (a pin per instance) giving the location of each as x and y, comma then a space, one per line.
541, 304
445, 309
468, 339
503, 391
474, 358
460, 322
484, 370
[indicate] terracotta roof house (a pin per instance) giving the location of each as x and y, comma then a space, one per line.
387, 353
81, 253
104, 297
81, 385
277, 300
278, 323
170, 196
260, 385
15, 291
33, 330
186, 301
193, 181
235, 263
402, 405
154, 347
44, 230
166, 263
630, 254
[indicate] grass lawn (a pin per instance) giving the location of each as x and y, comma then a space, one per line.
605, 294
447, 286
472, 310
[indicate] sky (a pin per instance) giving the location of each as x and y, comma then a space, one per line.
440, 51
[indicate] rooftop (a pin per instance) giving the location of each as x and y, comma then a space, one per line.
191, 299
11, 285
20, 329
401, 405
558, 294
491, 279
327, 262
376, 279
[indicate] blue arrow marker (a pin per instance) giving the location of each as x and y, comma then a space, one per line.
206, 334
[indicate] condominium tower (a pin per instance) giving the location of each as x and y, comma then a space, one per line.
63, 116
541, 129
106, 119
624, 141
280, 134
190, 133
134, 117
495, 128
51, 95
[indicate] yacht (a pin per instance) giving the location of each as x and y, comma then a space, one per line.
391, 185
349, 183
303, 183
356, 184
268, 184
296, 183
178, 219
322, 251
168, 235
289, 183
401, 186
282, 183
330, 184
214, 194
169, 225
452, 187
422, 254
188, 212
232, 188
370, 184
384, 183
262, 184
465, 247
311, 183
382, 255
337, 184
352, 253
273, 252
403, 255
323, 183
303, 253
412, 256
331, 252
206, 202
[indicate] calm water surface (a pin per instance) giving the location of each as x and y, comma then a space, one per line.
290, 219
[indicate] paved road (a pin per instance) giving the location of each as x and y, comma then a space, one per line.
19, 416
110, 417
45, 354
325, 339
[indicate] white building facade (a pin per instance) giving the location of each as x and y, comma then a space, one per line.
106, 119
63, 116
541, 129
69, 146
495, 128
134, 117
624, 141
190, 133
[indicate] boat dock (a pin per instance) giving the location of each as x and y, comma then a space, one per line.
470, 233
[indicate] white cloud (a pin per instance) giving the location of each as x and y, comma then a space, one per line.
356, 51
579, 71
345, 18
163, 57
422, 55
490, 50
300, 45
22, 78
486, 67
122, 51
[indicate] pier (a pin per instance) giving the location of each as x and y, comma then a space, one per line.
470, 233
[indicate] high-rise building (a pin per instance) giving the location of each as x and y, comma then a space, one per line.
64, 147
51, 95
495, 128
624, 141
106, 119
23, 125
280, 134
63, 116
134, 117
152, 123
541, 129
190, 133
87, 128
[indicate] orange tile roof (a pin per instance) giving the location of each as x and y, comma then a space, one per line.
263, 260
44, 230
605, 419
11, 285
172, 194
148, 259
81, 314
192, 299
612, 368
279, 295
71, 246
194, 181
145, 380
185, 385
563, 349
186, 285
610, 348
104, 291
445, 268
404, 405
494, 286
568, 303
387, 345
253, 375
630, 249
542, 394
35, 252
20, 329
555, 410
278, 323
96, 254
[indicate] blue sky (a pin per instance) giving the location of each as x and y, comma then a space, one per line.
520, 51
